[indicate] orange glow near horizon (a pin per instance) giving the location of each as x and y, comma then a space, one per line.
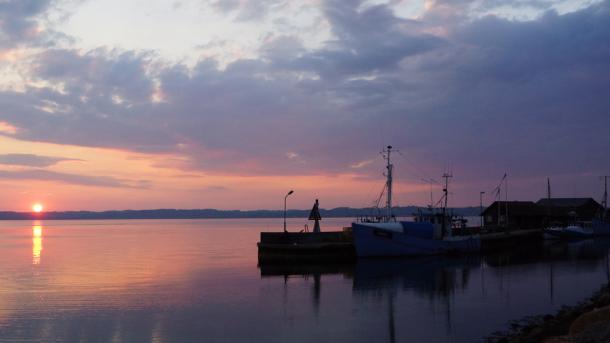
87, 179
37, 207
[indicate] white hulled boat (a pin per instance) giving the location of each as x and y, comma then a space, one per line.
578, 230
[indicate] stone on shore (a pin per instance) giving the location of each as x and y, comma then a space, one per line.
593, 326
586, 322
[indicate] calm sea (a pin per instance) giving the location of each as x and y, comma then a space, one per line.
198, 281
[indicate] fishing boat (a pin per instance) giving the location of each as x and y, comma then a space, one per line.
384, 236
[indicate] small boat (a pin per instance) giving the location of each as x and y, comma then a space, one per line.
574, 231
428, 235
580, 230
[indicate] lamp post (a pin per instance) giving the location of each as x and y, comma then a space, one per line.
481, 204
286, 197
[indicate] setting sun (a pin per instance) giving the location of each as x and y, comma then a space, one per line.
37, 207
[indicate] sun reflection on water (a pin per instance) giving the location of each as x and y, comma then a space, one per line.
36, 243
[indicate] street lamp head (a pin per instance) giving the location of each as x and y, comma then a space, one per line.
286, 197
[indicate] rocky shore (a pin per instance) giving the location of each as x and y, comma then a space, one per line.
589, 321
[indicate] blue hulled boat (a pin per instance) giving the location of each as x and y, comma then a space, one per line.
430, 234
408, 239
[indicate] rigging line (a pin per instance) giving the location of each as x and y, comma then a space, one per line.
418, 180
412, 168
396, 202
380, 195
418, 172
499, 186
366, 199
369, 195
440, 201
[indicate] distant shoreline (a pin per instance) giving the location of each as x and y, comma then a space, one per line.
340, 212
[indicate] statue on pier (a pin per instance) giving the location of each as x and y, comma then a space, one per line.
315, 216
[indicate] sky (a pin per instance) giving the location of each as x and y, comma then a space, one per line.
137, 104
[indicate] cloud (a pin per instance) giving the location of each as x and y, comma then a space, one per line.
84, 180
98, 74
361, 164
82, 107
18, 21
486, 94
246, 10
7, 129
531, 91
32, 160
366, 41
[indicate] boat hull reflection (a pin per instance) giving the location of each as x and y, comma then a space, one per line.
430, 275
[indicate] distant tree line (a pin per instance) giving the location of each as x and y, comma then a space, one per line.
212, 213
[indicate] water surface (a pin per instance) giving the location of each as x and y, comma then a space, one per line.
198, 280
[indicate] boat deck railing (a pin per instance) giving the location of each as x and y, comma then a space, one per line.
375, 219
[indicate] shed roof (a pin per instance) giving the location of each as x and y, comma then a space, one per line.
522, 208
566, 202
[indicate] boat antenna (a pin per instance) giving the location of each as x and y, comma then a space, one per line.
386, 154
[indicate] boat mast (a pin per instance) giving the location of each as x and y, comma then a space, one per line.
389, 167
446, 193
506, 197
548, 197
605, 200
